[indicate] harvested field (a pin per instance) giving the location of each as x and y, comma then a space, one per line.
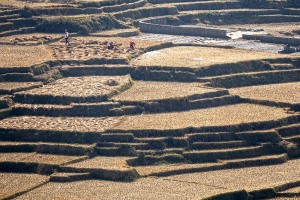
96, 47
10, 87
197, 57
73, 124
219, 116
96, 87
32, 38
37, 158
284, 92
276, 29
102, 162
247, 178
15, 56
190, 186
12, 183
22, 4
119, 41
146, 188
117, 33
146, 170
148, 91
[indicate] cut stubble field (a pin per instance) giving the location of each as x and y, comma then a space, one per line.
197, 57
22, 56
284, 92
149, 91
230, 115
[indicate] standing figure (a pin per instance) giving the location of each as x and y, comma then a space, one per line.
131, 45
67, 37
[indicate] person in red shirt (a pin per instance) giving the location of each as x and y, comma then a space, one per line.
131, 45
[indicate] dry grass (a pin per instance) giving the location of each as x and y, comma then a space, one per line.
32, 38
217, 116
86, 86
15, 56
186, 186
12, 86
197, 57
12, 183
76, 124
37, 158
22, 4
146, 170
145, 188
147, 91
247, 178
284, 92
276, 29
103, 163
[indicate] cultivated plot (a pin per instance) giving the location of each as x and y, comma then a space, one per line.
230, 115
197, 57
22, 56
283, 93
73, 124
12, 183
85, 88
150, 91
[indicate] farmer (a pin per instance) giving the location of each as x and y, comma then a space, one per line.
110, 45
67, 37
131, 44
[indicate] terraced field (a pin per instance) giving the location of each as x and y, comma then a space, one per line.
202, 107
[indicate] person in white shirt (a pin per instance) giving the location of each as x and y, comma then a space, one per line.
67, 37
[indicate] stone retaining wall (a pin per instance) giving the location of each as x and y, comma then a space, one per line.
159, 25
273, 39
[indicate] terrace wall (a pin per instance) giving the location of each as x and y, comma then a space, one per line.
159, 25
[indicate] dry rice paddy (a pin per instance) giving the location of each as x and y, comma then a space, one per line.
12, 183
37, 158
33, 38
16, 86
95, 47
197, 57
102, 162
29, 4
86, 86
217, 116
76, 124
147, 91
187, 186
284, 92
15, 56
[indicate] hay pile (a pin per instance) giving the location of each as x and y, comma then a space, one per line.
76, 124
